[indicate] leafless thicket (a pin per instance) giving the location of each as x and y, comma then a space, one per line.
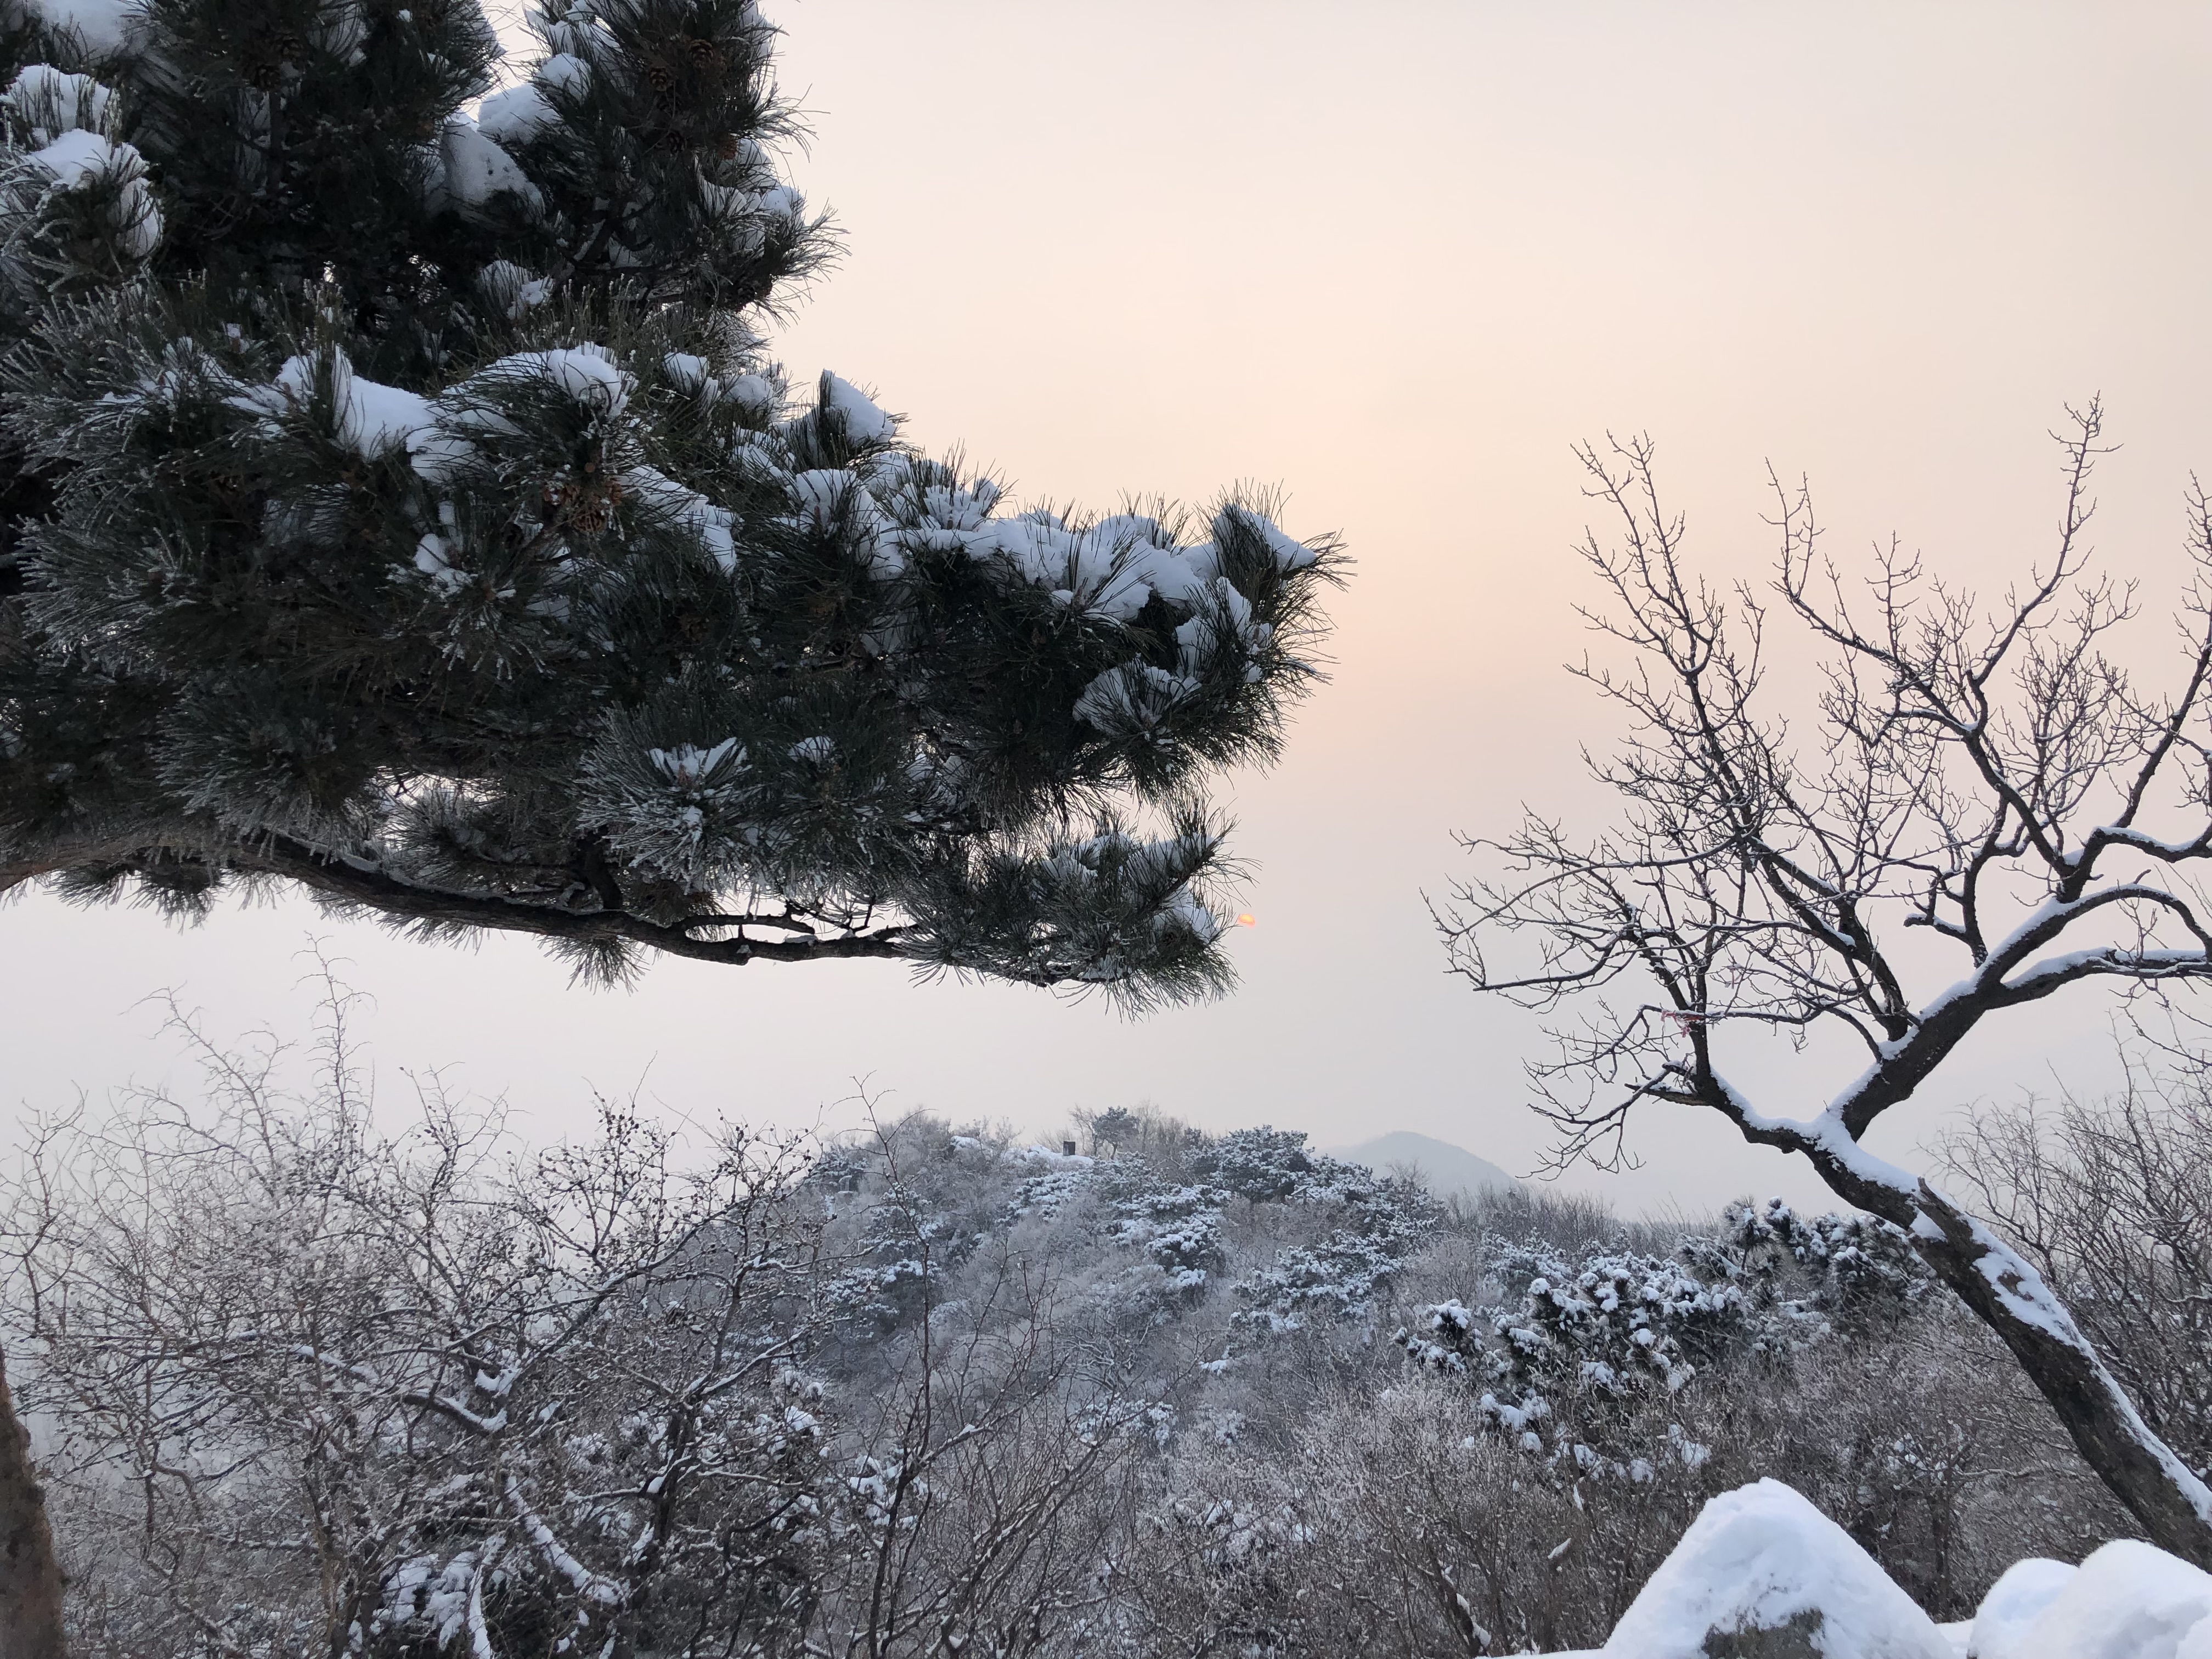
2112, 1202
318, 1390
1989, 778
313, 1388
985, 1439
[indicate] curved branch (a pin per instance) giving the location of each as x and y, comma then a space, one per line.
362, 884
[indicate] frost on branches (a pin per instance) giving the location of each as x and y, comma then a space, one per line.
1571, 1372
1992, 780
425, 1393
401, 503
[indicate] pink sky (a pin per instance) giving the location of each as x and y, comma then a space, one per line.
1395, 259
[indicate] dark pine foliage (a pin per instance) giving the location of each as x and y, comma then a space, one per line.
399, 501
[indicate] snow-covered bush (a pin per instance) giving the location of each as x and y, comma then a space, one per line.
1582, 1345
1771, 1344
1365, 1226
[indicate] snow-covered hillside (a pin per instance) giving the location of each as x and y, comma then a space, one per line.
1219, 1394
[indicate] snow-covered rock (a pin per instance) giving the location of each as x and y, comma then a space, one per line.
2014, 1602
1761, 1574
2129, 1600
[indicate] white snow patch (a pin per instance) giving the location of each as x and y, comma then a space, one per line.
478, 170
368, 415
1183, 910
375, 415
709, 523
564, 72
513, 288
755, 391
2014, 1602
82, 160
1758, 1557
104, 26
430, 558
865, 423
2128, 1600
1227, 626
76, 157
1290, 554
686, 370
1131, 698
48, 101
518, 115
1111, 569
832, 502
585, 373
515, 115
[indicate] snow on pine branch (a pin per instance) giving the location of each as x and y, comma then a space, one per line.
478, 410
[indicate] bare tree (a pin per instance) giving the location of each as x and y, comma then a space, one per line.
1987, 775
983, 1473
318, 1390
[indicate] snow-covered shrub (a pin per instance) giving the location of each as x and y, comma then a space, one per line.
1583, 1342
1849, 1271
1366, 1226
1314, 1236
1771, 1344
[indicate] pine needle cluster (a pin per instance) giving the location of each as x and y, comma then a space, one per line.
397, 499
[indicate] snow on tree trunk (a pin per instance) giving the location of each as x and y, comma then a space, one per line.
2170, 1503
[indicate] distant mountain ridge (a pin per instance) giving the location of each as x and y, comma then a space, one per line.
1447, 1169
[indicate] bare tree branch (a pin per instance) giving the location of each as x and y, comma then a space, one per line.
1972, 775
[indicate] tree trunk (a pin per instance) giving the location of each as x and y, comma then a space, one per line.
2170, 1504
30, 1577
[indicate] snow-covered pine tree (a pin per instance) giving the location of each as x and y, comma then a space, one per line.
399, 503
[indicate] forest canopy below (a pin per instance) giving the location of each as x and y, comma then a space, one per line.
312, 1387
